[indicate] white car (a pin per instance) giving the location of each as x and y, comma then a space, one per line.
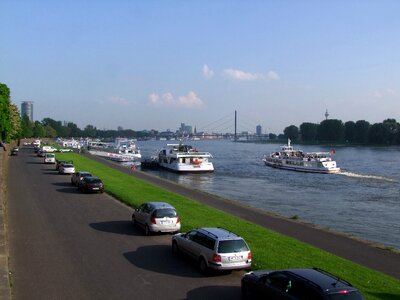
66, 169
49, 158
156, 217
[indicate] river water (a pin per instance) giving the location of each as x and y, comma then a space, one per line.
363, 200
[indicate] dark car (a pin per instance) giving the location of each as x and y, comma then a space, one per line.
301, 284
14, 151
91, 184
77, 177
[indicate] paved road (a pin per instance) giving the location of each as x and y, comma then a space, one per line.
68, 245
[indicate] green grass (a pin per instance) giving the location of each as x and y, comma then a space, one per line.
270, 250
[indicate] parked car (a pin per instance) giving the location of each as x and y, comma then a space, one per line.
77, 177
14, 151
156, 217
49, 158
40, 153
49, 149
66, 169
214, 248
91, 184
302, 284
61, 162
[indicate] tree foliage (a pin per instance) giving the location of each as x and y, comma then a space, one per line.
291, 132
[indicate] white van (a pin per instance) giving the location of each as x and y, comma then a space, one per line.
49, 158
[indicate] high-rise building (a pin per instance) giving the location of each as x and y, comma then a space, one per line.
27, 110
258, 130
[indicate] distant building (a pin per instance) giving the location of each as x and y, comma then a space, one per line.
186, 129
27, 110
258, 130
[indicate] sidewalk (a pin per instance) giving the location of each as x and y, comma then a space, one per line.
5, 290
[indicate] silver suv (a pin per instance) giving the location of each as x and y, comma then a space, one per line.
213, 248
156, 217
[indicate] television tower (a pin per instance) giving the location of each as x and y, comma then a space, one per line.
326, 115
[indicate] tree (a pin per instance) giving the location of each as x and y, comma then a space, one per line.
15, 121
308, 132
90, 131
362, 129
349, 131
5, 123
38, 130
291, 132
272, 136
331, 131
378, 134
50, 132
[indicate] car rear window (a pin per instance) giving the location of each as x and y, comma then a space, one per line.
68, 166
346, 296
230, 246
165, 212
94, 180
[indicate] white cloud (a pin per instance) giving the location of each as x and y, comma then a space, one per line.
384, 93
240, 75
191, 100
246, 76
273, 75
118, 100
207, 72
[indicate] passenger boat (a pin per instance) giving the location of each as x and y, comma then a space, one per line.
122, 150
297, 160
184, 158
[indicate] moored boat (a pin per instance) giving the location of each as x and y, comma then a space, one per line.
184, 158
289, 158
122, 150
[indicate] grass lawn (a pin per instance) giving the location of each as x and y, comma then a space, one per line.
270, 250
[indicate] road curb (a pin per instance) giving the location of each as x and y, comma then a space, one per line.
5, 289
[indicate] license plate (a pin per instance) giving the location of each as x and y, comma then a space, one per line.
235, 258
95, 188
166, 222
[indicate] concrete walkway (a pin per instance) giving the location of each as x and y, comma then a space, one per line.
358, 251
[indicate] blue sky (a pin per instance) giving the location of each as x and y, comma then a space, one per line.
155, 64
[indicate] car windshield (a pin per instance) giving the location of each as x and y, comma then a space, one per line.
346, 296
230, 246
68, 166
165, 212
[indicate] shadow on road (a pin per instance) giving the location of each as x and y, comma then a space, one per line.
119, 227
35, 162
214, 292
70, 190
159, 258
64, 184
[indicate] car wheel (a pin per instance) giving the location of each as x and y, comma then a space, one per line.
72, 182
146, 230
133, 220
245, 293
175, 248
202, 266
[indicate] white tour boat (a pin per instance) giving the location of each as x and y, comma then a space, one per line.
297, 160
184, 158
122, 150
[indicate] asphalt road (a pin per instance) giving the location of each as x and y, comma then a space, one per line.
68, 245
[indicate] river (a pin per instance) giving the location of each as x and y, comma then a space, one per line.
363, 200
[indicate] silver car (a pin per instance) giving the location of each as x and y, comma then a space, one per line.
213, 248
156, 217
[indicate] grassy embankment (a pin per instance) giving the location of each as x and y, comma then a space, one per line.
270, 250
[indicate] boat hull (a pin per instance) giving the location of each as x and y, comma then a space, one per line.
303, 169
186, 168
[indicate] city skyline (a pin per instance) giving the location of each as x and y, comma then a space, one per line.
153, 65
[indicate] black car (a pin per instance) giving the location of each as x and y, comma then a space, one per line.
14, 151
300, 284
91, 184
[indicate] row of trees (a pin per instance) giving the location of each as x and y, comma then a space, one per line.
334, 131
12, 127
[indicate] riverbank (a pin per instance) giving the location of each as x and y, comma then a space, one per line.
5, 290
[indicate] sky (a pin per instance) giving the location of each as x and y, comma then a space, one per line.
156, 64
